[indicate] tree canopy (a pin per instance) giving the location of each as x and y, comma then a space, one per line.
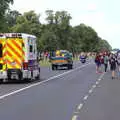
56, 34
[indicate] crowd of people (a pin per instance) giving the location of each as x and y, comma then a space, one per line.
110, 61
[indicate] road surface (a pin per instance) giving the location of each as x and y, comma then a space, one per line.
78, 94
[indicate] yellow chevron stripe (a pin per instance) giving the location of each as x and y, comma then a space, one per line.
2, 41
9, 58
13, 66
4, 57
20, 42
23, 52
13, 45
12, 59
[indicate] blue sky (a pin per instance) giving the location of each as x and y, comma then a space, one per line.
102, 15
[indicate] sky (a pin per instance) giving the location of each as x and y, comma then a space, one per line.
101, 15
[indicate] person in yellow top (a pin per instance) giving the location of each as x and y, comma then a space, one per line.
57, 53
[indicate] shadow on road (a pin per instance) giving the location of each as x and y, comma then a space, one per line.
22, 82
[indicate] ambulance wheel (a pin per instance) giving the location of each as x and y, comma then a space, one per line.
53, 67
31, 78
70, 66
56, 67
1, 80
38, 76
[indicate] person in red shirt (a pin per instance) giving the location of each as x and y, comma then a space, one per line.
98, 62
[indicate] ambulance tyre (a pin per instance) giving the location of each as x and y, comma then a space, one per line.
38, 76
31, 78
1, 80
53, 67
70, 66
56, 67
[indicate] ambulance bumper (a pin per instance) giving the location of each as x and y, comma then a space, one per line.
3, 75
26, 74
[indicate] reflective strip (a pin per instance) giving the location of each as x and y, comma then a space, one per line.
59, 61
14, 53
4, 56
2, 59
23, 52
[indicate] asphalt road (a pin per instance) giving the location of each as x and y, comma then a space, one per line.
78, 94
103, 103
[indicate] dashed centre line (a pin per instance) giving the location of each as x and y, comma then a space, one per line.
94, 86
80, 106
86, 97
97, 83
90, 91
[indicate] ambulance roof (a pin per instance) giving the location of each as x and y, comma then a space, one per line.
24, 35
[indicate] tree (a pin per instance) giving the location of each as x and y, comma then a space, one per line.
11, 18
4, 5
57, 33
103, 45
50, 16
28, 23
87, 37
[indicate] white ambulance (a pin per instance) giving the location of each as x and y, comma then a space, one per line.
18, 57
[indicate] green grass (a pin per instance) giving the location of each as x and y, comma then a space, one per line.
45, 63
75, 59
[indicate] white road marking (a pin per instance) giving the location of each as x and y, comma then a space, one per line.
74, 117
86, 97
80, 106
36, 84
94, 86
99, 79
101, 76
76, 112
90, 91
97, 82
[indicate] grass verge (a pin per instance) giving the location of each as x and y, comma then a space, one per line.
45, 63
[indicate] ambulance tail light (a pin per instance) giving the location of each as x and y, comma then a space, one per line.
25, 65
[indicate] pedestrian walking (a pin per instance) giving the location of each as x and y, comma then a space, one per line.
106, 59
98, 63
109, 54
113, 65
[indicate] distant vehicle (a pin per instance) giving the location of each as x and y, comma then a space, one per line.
83, 58
61, 58
18, 57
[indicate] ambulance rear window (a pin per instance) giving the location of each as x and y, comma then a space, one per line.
0, 50
31, 48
